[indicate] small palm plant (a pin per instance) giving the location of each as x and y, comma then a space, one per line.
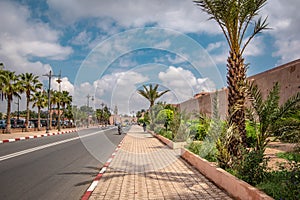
263, 114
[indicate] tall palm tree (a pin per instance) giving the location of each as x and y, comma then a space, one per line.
66, 100
151, 94
235, 17
10, 87
30, 84
56, 99
39, 100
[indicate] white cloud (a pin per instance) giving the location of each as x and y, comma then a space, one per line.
22, 38
182, 16
283, 18
65, 85
183, 83
111, 89
83, 38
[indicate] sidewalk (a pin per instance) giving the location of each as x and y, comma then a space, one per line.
25, 135
144, 168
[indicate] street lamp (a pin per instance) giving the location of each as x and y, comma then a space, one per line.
88, 106
50, 75
18, 103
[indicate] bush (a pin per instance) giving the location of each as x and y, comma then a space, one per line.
251, 136
166, 134
252, 167
195, 147
284, 184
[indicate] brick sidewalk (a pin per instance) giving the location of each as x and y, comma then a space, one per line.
144, 168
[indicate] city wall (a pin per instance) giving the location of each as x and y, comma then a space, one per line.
287, 75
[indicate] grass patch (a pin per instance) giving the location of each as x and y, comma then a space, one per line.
282, 184
290, 156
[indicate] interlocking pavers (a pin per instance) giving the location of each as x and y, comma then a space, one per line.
144, 168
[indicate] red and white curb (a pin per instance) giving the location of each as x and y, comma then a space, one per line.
35, 136
95, 182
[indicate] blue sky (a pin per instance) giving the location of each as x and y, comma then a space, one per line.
109, 49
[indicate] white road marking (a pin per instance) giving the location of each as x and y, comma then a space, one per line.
26, 151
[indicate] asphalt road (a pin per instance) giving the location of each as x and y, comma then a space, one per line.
55, 167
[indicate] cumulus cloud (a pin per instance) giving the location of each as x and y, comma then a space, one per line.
283, 18
182, 15
23, 39
183, 83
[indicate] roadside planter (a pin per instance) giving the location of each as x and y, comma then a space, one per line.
235, 187
169, 143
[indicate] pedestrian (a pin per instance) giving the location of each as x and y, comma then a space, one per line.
144, 126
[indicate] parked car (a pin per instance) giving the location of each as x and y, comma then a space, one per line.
17, 123
2, 124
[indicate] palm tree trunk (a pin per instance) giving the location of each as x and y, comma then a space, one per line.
39, 119
58, 109
236, 77
27, 113
8, 128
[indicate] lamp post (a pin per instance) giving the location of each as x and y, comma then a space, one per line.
88, 106
50, 75
18, 103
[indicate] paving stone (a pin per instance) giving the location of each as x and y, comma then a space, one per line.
144, 168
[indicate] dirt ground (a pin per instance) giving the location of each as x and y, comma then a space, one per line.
275, 147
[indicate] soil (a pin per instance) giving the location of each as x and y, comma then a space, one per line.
276, 147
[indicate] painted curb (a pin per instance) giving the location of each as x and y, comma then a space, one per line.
35, 136
95, 182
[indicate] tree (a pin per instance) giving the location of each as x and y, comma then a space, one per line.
30, 84
10, 87
151, 94
56, 99
39, 100
66, 100
235, 17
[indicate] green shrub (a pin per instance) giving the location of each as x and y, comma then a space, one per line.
251, 136
166, 134
284, 184
290, 156
252, 167
195, 147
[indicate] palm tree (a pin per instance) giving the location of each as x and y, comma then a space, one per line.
39, 100
235, 17
151, 94
66, 100
30, 83
10, 87
56, 99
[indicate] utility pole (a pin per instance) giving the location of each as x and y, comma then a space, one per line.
18, 103
50, 75
88, 107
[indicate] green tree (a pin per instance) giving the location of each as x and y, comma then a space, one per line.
165, 117
151, 94
235, 18
66, 100
56, 99
10, 87
30, 84
40, 101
